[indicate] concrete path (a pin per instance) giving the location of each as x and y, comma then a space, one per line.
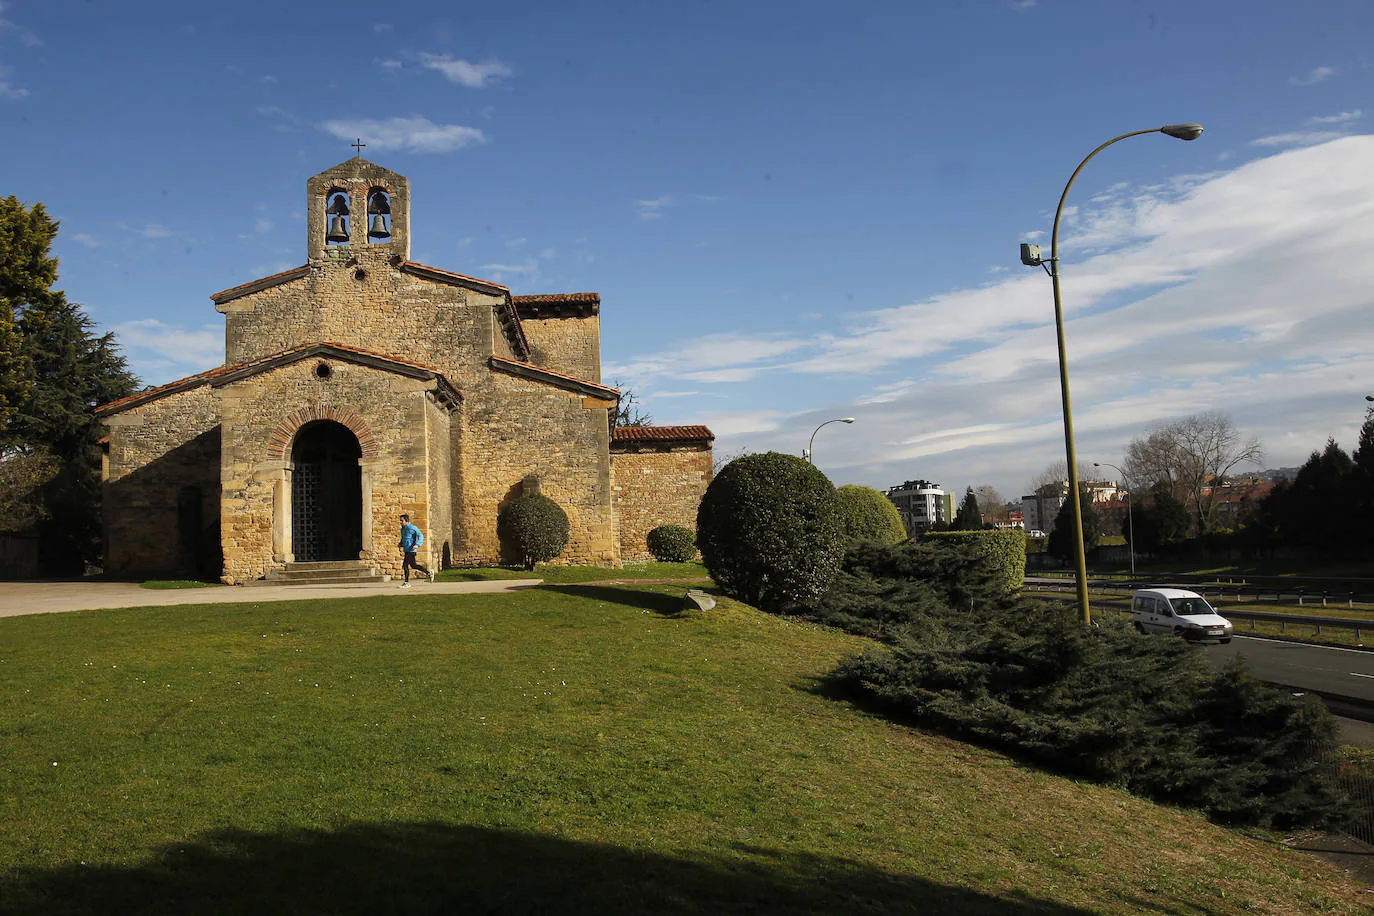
17, 598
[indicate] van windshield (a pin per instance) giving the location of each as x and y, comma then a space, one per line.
1191, 607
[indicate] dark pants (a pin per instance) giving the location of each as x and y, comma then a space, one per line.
410, 564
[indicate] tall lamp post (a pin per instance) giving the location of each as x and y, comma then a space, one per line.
1030, 256
811, 449
1130, 521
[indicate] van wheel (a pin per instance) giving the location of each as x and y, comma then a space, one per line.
1139, 628
1178, 631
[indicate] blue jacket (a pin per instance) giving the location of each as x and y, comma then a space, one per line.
411, 537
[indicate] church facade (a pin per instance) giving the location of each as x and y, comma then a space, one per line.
362, 385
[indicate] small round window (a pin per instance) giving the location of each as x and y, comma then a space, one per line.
323, 371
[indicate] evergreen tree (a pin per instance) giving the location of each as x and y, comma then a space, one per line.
69, 371
26, 272
1362, 481
969, 518
1060, 542
1314, 512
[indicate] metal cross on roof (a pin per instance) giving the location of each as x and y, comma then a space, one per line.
358, 145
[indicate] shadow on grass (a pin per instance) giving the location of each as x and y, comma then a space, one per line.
434, 868
668, 604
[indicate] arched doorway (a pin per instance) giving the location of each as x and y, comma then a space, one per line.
326, 493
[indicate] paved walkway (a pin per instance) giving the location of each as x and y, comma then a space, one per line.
17, 598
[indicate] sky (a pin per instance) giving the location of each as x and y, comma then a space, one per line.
793, 211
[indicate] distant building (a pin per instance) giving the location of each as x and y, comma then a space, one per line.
921, 504
1040, 508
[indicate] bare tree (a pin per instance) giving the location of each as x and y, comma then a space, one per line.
1058, 473
719, 461
993, 506
1191, 456
629, 411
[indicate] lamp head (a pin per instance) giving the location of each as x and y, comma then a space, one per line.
1182, 131
1030, 255
846, 419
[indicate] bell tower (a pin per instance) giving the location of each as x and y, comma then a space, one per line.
357, 211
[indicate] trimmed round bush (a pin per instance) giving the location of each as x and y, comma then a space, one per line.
534, 528
672, 543
769, 531
867, 516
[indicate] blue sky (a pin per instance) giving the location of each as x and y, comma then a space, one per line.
792, 211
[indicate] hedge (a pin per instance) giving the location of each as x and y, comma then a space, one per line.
769, 532
534, 528
868, 516
1003, 549
672, 543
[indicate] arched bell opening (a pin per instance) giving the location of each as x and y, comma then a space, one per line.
336, 217
326, 493
378, 215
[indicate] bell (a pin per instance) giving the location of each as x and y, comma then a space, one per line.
378, 204
338, 231
379, 229
338, 206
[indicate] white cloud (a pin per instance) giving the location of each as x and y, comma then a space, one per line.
262, 225
526, 270
148, 231
1344, 117
10, 90
23, 35
1297, 138
89, 241
1246, 291
465, 73
391, 65
267, 79
653, 209
1313, 76
1020, 5
159, 352
414, 134
516, 243
381, 27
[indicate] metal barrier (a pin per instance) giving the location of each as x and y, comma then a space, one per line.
1352, 777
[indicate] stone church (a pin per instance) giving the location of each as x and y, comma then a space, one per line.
362, 385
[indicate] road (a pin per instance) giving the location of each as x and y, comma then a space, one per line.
1324, 669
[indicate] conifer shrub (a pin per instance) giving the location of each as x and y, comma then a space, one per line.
1106, 703
867, 516
672, 543
1003, 551
533, 528
769, 531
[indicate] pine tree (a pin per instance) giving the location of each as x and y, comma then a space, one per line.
26, 272
969, 518
69, 371
1060, 542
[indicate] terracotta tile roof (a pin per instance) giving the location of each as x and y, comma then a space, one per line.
556, 297
253, 286
648, 433
557, 305
202, 378
529, 370
438, 273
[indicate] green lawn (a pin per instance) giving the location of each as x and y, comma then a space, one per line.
563, 749
562, 574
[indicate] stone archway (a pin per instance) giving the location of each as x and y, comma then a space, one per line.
326, 493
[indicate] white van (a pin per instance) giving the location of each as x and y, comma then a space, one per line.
1180, 612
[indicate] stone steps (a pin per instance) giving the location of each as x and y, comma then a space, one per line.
327, 572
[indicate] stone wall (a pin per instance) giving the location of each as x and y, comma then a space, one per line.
657, 485
571, 346
515, 427
387, 311
387, 412
161, 488
438, 459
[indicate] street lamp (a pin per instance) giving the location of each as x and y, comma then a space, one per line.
811, 449
1030, 256
1130, 521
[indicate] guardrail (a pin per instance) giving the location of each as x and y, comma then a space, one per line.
1230, 612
